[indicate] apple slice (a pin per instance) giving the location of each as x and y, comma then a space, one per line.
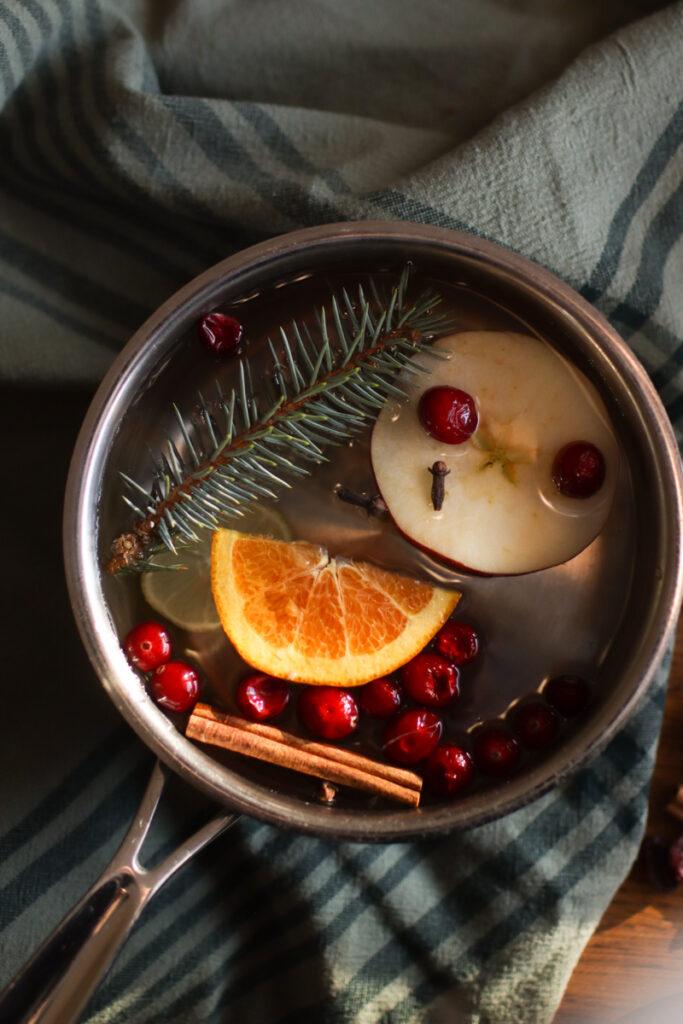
504, 510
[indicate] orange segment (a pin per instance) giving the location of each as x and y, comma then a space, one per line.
322, 631
294, 612
373, 620
410, 595
257, 562
276, 612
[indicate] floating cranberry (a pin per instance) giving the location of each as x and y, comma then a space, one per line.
448, 414
221, 334
536, 724
449, 770
328, 712
260, 696
430, 679
496, 751
412, 736
380, 698
175, 686
147, 646
567, 694
458, 642
579, 470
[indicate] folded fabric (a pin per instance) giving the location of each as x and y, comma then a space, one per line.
143, 142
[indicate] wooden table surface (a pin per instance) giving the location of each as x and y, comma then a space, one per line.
631, 972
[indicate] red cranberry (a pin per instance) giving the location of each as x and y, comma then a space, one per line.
458, 642
412, 736
147, 646
430, 679
567, 694
449, 770
536, 724
259, 696
579, 469
328, 711
496, 751
220, 333
380, 698
175, 686
448, 414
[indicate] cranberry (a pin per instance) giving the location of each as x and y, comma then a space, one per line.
496, 751
380, 698
579, 469
448, 414
449, 770
147, 646
175, 686
220, 333
259, 696
328, 711
567, 694
412, 736
430, 679
536, 724
458, 642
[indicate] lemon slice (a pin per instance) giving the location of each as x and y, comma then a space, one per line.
184, 596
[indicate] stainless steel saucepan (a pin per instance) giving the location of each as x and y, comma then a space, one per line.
633, 609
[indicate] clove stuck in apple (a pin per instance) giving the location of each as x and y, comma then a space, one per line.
504, 511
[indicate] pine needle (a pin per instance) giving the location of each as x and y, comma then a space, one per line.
328, 381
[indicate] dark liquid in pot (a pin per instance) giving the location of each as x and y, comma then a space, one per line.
559, 620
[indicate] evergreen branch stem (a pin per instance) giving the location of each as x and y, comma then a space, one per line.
323, 399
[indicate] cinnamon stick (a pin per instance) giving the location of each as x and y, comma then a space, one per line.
323, 761
389, 772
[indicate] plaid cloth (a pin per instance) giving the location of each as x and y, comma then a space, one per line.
143, 141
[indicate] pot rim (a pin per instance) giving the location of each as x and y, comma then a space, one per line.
83, 576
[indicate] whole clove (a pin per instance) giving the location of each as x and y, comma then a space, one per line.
373, 504
439, 473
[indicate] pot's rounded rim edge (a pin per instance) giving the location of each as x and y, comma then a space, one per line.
363, 826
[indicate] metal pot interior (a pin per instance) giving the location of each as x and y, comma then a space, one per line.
619, 597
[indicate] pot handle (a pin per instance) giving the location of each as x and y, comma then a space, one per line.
56, 984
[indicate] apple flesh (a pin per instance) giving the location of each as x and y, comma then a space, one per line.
503, 513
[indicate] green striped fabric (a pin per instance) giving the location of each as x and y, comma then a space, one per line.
143, 141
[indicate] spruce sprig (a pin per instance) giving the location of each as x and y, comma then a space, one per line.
323, 386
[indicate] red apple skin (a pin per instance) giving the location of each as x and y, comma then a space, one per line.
432, 554
449, 561
459, 567
477, 572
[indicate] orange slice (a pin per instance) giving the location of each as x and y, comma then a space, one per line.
294, 612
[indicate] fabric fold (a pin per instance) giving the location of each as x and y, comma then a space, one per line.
143, 142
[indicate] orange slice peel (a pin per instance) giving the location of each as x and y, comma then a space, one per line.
294, 612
